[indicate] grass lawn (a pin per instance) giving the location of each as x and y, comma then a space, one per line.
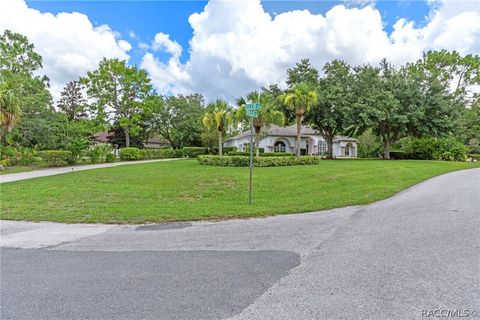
17, 169
185, 190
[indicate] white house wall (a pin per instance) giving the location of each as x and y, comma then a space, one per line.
268, 142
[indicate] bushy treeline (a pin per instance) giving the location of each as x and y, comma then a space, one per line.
382, 105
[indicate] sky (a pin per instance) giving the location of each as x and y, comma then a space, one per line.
226, 48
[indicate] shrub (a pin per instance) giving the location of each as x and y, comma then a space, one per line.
243, 161
474, 157
111, 157
178, 153
11, 154
272, 154
193, 152
447, 149
225, 150
398, 154
77, 146
158, 153
27, 156
55, 158
5, 162
277, 154
130, 154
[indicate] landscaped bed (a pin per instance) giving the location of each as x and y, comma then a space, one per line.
186, 190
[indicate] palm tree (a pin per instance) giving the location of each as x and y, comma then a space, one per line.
268, 114
300, 98
219, 117
10, 111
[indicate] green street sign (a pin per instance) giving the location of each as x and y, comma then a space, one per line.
253, 106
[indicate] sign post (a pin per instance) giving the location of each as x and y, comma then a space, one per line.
252, 112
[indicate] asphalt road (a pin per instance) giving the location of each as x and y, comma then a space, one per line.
401, 258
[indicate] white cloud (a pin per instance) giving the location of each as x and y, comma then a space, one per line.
237, 47
162, 42
68, 42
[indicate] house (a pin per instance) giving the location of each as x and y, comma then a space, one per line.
152, 143
282, 139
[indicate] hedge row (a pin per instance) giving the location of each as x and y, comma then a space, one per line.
243, 161
129, 154
55, 158
273, 154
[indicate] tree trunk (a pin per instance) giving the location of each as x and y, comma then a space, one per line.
386, 148
220, 146
257, 144
299, 132
329, 147
127, 137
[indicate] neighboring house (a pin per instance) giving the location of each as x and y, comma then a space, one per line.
152, 143
282, 139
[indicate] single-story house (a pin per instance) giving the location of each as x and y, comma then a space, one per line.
282, 139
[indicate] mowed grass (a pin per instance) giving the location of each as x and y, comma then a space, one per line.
184, 190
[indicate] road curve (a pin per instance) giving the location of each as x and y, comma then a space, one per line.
401, 258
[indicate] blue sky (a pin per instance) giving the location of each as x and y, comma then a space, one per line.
146, 18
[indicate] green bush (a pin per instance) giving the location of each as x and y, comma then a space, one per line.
243, 161
247, 149
55, 158
5, 163
77, 146
110, 157
130, 154
398, 154
158, 153
11, 154
27, 156
271, 154
474, 156
277, 154
447, 149
225, 150
178, 153
193, 152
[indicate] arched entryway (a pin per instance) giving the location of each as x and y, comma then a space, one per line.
280, 146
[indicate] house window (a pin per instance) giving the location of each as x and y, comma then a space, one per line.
280, 146
322, 147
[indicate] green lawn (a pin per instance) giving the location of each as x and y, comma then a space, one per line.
18, 169
185, 190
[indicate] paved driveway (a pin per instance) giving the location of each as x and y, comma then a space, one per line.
401, 258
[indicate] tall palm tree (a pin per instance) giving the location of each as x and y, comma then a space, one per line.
219, 117
268, 114
300, 98
10, 111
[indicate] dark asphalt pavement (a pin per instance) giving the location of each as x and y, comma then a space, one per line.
49, 284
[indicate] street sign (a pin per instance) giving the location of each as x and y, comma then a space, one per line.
252, 108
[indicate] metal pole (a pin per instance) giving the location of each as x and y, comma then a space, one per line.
251, 161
